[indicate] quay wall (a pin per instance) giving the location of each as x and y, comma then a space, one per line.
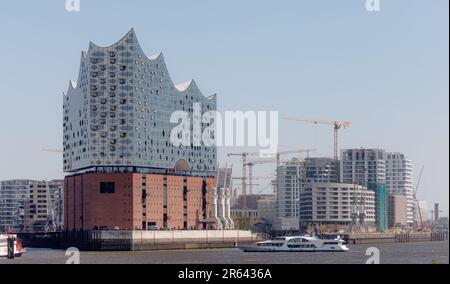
376, 238
179, 240
140, 240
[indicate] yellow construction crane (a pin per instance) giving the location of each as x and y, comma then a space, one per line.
336, 124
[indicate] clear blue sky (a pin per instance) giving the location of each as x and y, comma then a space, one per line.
386, 72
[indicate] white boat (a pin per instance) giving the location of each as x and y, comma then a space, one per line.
18, 248
307, 243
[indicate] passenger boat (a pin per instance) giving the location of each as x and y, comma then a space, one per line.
18, 248
306, 243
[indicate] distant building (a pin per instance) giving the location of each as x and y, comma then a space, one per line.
267, 208
32, 206
292, 178
286, 224
332, 203
244, 213
367, 167
363, 166
436, 213
322, 170
397, 210
400, 180
13, 197
252, 201
44, 209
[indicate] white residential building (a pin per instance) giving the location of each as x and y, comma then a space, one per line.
400, 180
291, 178
332, 203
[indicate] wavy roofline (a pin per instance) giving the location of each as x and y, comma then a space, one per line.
181, 87
91, 43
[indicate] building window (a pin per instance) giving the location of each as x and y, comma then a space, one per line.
107, 187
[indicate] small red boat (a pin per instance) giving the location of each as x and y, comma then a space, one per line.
18, 247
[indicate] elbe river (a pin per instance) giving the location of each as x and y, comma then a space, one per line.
392, 253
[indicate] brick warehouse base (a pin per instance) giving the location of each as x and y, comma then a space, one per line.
132, 201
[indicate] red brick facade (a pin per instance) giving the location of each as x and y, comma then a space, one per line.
137, 201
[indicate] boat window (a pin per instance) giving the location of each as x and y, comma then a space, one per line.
330, 243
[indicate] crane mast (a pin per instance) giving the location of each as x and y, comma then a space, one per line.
337, 125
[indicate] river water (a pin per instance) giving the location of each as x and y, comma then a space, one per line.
395, 253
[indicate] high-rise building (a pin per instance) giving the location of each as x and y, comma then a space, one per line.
400, 180
294, 175
32, 206
332, 204
363, 166
367, 167
291, 180
322, 170
128, 170
13, 197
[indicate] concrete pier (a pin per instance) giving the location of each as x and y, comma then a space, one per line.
140, 240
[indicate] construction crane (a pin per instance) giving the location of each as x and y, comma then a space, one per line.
272, 161
250, 170
337, 126
417, 200
53, 150
244, 157
244, 174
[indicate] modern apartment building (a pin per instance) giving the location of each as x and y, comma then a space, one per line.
332, 204
32, 206
367, 167
127, 170
13, 197
293, 176
291, 180
400, 181
322, 170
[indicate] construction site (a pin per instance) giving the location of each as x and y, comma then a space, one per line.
348, 193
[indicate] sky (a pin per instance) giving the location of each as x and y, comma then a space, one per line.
386, 72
